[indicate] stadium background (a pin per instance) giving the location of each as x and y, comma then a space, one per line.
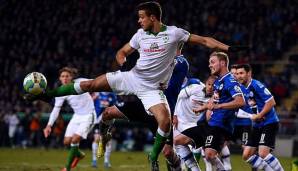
46, 35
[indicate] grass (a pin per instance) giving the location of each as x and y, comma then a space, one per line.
54, 160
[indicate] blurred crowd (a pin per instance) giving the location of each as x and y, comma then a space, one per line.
46, 35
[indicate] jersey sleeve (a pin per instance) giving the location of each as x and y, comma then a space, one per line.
55, 112
234, 89
134, 43
182, 35
263, 92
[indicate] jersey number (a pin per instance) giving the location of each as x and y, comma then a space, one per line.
262, 140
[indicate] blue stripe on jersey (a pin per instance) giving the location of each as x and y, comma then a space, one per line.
261, 95
176, 81
225, 88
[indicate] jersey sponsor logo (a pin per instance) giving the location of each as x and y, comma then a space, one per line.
154, 48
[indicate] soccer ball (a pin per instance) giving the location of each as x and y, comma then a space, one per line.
35, 83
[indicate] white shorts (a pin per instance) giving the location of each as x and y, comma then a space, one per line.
80, 125
125, 83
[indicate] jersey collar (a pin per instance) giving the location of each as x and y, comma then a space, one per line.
224, 76
162, 28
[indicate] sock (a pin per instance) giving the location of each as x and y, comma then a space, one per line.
187, 156
63, 90
173, 162
273, 162
208, 165
217, 163
225, 157
159, 142
94, 149
197, 153
108, 152
257, 162
73, 152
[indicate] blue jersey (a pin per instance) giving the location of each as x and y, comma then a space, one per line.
225, 89
104, 100
260, 94
176, 81
246, 108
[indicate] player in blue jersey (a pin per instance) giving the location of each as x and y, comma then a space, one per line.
102, 100
226, 99
265, 123
134, 110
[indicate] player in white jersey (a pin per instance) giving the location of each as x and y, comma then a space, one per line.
81, 122
157, 45
189, 127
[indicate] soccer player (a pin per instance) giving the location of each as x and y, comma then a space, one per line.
186, 130
134, 110
227, 98
80, 123
265, 123
102, 100
157, 44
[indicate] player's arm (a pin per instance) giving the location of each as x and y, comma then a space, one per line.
267, 107
53, 116
236, 103
123, 53
208, 42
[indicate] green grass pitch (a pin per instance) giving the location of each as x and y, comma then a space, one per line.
54, 160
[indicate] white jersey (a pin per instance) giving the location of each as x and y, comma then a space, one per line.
189, 98
82, 105
156, 62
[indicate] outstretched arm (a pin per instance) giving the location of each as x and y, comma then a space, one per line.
208, 42
123, 53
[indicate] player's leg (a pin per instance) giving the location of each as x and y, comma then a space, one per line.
213, 144
96, 138
162, 116
225, 157
208, 165
98, 84
249, 152
172, 159
108, 151
266, 145
105, 124
181, 145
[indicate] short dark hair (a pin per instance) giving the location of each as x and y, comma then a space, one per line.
246, 67
73, 71
151, 8
222, 56
234, 66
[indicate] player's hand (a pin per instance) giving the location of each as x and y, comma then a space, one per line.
120, 60
175, 121
238, 48
199, 109
162, 86
47, 131
256, 118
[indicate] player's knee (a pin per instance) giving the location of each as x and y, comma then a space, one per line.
263, 154
66, 142
167, 151
107, 114
165, 124
88, 85
245, 156
210, 155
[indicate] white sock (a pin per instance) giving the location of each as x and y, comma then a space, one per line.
208, 165
108, 152
257, 162
94, 149
273, 162
217, 163
225, 157
186, 155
